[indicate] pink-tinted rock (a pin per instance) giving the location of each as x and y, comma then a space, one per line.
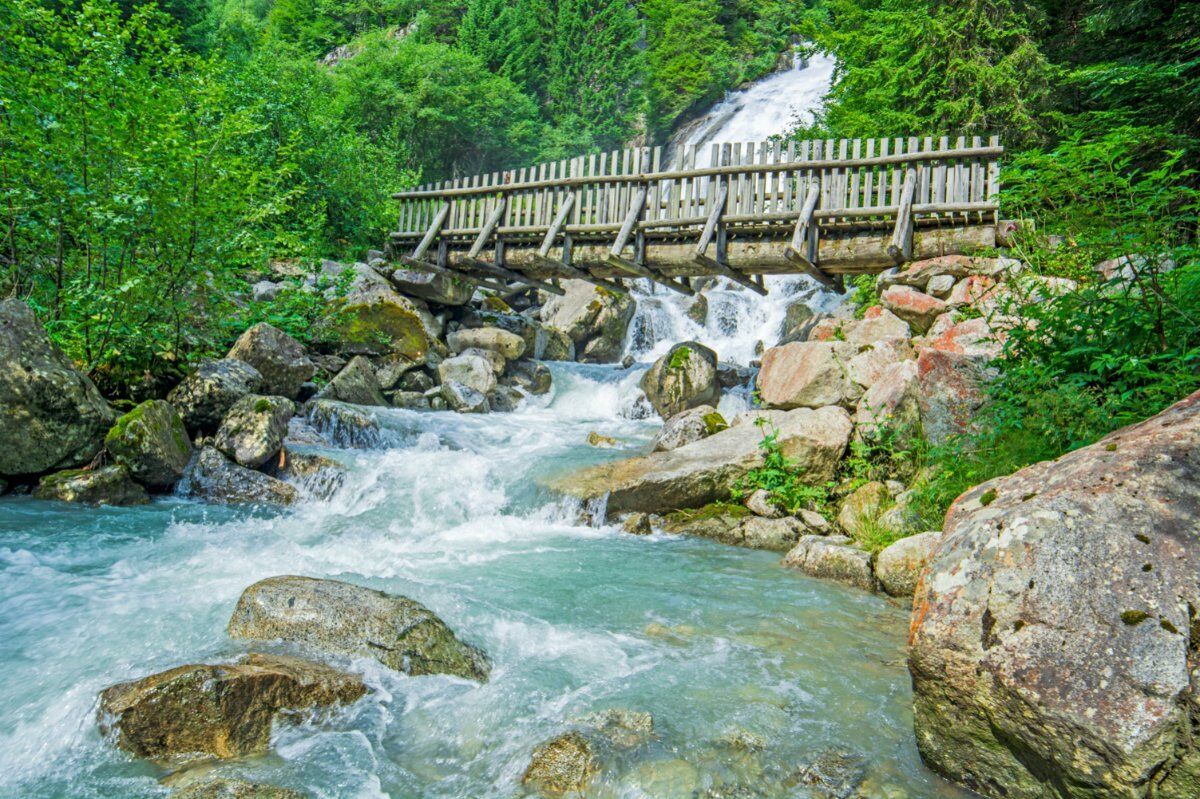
915, 307
970, 290
892, 401
877, 324
951, 391
808, 374
973, 337
826, 329
874, 359
1054, 631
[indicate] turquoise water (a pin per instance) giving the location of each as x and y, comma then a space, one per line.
715, 642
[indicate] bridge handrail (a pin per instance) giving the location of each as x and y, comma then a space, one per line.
712, 171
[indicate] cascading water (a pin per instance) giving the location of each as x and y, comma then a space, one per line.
749, 670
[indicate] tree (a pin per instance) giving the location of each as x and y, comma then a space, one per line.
594, 69
688, 60
511, 38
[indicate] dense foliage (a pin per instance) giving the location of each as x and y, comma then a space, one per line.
153, 158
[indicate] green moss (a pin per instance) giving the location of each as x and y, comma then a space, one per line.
121, 427
496, 304
714, 422
397, 328
262, 406
1166, 625
1134, 617
988, 497
713, 510
1111, 447
679, 358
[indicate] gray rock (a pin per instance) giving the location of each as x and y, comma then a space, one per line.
469, 370
463, 399
52, 416
264, 291
214, 478
355, 384
685, 377
418, 380
344, 619
736, 526
898, 567
698, 309
109, 485
951, 388
705, 471
1054, 635
200, 711
279, 358
637, 524
412, 400
760, 504
533, 378
435, 288
497, 360
152, 444
834, 774
504, 399
316, 475
862, 507
206, 395
832, 558
344, 425
253, 430
391, 370
688, 426
594, 318
493, 339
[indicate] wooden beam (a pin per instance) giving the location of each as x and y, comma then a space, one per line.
454, 274
714, 218
560, 219
900, 248
801, 251
641, 271
509, 274
489, 227
579, 274
426, 242
631, 219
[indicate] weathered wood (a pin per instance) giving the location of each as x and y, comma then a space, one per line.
900, 247
714, 217
560, 220
509, 274
631, 219
431, 234
455, 274
489, 227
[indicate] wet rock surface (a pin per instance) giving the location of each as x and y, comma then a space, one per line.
196, 712
152, 444
832, 558
686, 377
356, 383
108, 485
214, 478
594, 318
253, 430
351, 620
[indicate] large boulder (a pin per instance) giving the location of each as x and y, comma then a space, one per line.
706, 470
808, 374
214, 478
356, 383
202, 711
1056, 630
376, 319
354, 621
152, 444
874, 360
254, 428
898, 566
51, 415
473, 371
915, 307
686, 377
436, 288
832, 558
108, 485
279, 358
206, 395
688, 426
593, 317
892, 403
493, 339
344, 425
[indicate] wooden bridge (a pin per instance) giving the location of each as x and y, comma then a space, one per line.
825, 208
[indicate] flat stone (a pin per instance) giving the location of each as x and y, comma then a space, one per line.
831, 558
108, 485
345, 619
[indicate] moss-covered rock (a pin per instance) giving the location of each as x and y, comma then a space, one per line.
201, 711
686, 377
377, 320
356, 383
152, 444
51, 414
109, 485
351, 620
253, 430
564, 765
594, 318
234, 789
214, 478
687, 426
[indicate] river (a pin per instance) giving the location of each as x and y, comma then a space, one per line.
748, 669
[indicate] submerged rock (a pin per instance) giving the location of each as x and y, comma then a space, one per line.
463, 398
319, 476
52, 417
832, 558
152, 444
356, 383
686, 377
109, 485
1054, 632
688, 426
202, 711
344, 425
279, 358
735, 525
206, 395
254, 428
214, 478
234, 789
351, 620
834, 774
562, 766
620, 726
705, 471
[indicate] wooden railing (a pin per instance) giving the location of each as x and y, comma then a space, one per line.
788, 191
